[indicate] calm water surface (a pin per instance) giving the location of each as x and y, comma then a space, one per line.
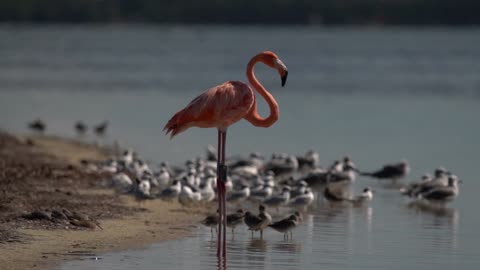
377, 95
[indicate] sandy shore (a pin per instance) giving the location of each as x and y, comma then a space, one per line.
26, 244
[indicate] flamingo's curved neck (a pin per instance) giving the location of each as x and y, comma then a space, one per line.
253, 116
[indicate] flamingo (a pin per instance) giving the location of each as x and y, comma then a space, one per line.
221, 106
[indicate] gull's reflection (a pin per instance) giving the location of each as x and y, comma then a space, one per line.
257, 245
437, 210
288, 246
443, 219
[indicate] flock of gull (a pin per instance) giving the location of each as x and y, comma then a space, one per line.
284, 181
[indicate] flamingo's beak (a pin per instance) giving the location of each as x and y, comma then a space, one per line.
284, 78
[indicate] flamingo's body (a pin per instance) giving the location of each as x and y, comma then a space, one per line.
222, 106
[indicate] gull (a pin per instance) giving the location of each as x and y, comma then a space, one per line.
310, 160
172, 191
282, 164
239, 195
316, 178
411, 188
188, 195
300, 188
122, 182
394, 171
142, 190
162, 178
347, 162
347, 175
302, 200
206, 189
263, 193
440, 179
365, 196
443, 194
280, 199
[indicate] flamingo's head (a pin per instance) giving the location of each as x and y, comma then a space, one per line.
271, 59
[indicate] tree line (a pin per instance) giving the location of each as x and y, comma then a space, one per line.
328, 12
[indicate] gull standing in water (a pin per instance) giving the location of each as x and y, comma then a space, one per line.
303, 200
443, 194
411, 188
440, 179
239, 195
262, 193
280, 199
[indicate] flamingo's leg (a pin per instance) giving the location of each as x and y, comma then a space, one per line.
223, 177
219, 197
221, 190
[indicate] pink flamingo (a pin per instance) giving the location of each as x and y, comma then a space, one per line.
220, 107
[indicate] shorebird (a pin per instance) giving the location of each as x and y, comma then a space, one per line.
285, 225
443, 194
80, 127
258, 223
391, 171
235, 219
37, 126
211, 221
101, 128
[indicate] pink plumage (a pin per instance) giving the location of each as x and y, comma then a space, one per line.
218, 107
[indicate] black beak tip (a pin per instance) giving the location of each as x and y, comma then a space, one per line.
284, 79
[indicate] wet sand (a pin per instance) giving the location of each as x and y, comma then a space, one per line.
44, 174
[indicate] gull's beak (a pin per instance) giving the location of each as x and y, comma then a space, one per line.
284, 78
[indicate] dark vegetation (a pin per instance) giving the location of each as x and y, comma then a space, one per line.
328, 12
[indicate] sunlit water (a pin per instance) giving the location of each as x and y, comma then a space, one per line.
377, 95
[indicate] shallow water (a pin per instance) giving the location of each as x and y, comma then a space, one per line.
377, 95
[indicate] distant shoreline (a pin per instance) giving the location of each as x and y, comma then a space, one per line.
327, 12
